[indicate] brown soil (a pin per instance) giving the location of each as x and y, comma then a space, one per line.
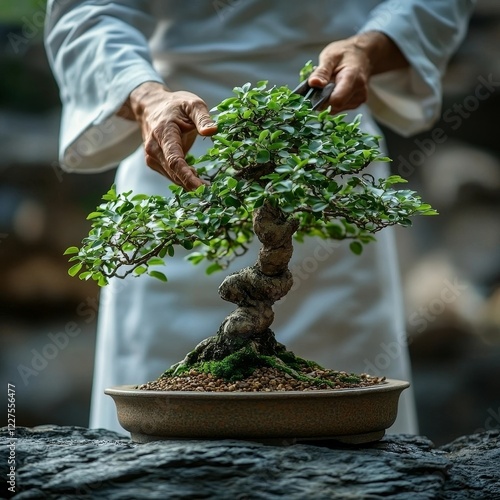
263, 379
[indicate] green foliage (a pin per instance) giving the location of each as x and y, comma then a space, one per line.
272, 147
306, 71
21, 11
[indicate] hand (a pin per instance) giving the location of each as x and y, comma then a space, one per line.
170, 122
351, 63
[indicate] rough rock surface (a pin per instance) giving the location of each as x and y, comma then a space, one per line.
73, 462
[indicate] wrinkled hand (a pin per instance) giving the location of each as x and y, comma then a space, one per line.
351, 63
170, 122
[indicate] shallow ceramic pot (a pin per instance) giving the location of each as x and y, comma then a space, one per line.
347, 415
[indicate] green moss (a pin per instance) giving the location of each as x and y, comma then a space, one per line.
296, 363
294, 367
243, 363
236, 366
352, 378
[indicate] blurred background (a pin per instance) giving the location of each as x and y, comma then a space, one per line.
450, 264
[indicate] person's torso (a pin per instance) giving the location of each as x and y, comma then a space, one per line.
234, 41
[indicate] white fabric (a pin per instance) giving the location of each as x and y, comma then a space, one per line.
345, 311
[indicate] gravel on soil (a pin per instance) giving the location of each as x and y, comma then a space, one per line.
263, 379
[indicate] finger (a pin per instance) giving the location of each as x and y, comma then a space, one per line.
203, 121
188, 139
338, 100
348, 84
179, 172
323, 73
174, 162
156, 166
170, 168
354, 102
185, 175
155, 160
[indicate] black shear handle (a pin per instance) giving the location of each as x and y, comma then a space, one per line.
317, 96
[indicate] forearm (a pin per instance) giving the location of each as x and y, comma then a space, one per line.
382, 53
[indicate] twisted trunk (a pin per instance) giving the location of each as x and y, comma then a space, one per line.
254, 290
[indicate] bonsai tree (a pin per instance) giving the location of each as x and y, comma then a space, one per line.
276, 170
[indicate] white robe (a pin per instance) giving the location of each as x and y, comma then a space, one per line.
345, 311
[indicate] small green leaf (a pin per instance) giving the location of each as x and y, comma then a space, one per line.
306, 71
263, 156
288, 129
73, 270
140, 270
212, 268
71, 250
158, 275
263, 135
156, 261
422, 208
323, 115
430, 212
394, 179
110, 195
94, 215
200, 190
195, 258
140, 197
319, 207
276, 134
221, 139
231, 201
315, 146
356, 247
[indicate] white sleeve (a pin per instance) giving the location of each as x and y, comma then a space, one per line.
427, 32
99, 53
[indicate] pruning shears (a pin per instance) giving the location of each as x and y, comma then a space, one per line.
317, 96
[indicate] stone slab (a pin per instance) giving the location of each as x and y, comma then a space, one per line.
73, 462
